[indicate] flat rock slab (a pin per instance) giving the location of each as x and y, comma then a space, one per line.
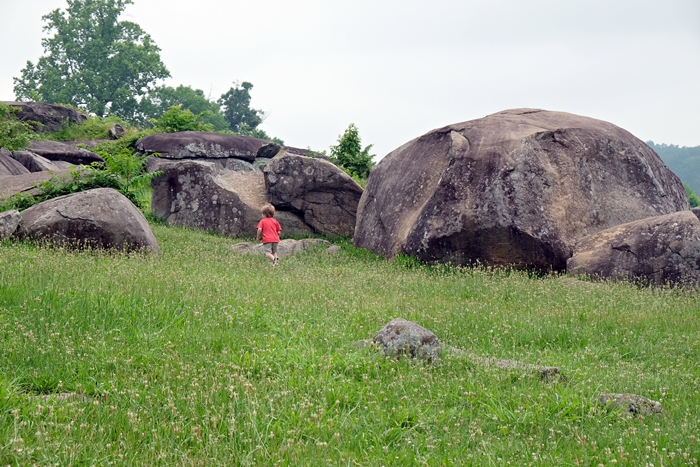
657, 250
202, 144
57, 151
517, 188
34, 162
98, 218
25, 184
629, 404
286, 247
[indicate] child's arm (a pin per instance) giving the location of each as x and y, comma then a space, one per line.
257, 235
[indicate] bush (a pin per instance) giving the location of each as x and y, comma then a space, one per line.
349, 155
175, 119
14, 135
693, 198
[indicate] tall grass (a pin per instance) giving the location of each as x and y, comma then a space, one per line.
204, 357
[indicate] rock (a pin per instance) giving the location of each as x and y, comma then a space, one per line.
57, 151
9, 220
98, 218
26, 183
33, 162
629, 404
324, 195
333, 249
9, 166
696, 211
658, 250
400, 337
286, 247
201, 144
51, 118
195, 194
515, 188
117, 131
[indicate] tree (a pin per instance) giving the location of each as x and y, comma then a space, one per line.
93, 61
176, 119
163, 98
349, 155
693, 198
237, 111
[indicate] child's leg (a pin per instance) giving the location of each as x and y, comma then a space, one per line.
268, 249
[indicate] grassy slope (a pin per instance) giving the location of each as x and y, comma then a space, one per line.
202, 357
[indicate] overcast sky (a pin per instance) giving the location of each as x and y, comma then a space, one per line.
398, 69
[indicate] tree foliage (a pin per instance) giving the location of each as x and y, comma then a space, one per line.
162, 98
237, 111
693, 198
349, 155
176, 119
684, 161
93, 61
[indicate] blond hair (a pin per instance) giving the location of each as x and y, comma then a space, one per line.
268, 210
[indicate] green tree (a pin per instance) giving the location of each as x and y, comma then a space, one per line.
164, 97
349, 155
176, 119
693, 198
237, 111
93, 61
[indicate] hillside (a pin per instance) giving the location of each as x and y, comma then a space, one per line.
683, 161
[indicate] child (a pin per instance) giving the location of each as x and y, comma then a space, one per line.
270, 230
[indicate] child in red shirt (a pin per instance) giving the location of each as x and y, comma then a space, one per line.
270, 230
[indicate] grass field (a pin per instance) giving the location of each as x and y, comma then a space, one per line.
202, 357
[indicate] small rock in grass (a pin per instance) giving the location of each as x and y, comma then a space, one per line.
9, 221
629, 404
401, 337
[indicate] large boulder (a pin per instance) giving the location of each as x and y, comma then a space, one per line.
58, 151
198, 195
33, 162
51, 118
201, 144
657, 250
400, 337
9, 166
98, 218
324, 195
516, 188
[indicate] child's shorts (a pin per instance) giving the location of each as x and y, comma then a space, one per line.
270, 247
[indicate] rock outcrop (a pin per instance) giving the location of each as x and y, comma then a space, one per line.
25, 183
57, 151
204, 145
656, 250
516, 188
198, 195
9, 166
325, 196
34, 162
286, 247
98, 218
50, 118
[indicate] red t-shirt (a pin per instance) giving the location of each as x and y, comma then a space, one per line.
270, 230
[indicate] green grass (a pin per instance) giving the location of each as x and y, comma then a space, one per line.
202, 357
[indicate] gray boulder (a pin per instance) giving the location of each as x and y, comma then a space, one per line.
34, 162
117, 131
9, 221
657, 250
198, 195
324, 195
57, 151
696, 211
50, 118
201, 144
98, 218
516, 188
629, 404
400, 337
9, 166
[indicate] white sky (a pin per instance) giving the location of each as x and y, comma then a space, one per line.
399, 68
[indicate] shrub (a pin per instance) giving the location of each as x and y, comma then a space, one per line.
349, 155
175, 119
14, 135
